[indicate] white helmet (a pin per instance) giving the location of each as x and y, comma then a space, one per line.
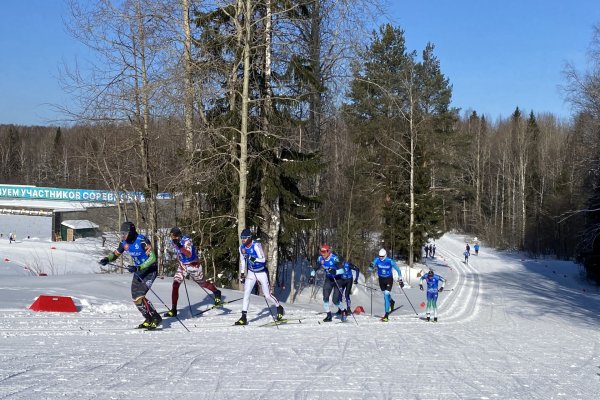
382, 253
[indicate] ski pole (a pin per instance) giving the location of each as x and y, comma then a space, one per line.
184, 274
342, 294
408, 300
154, 293
188, 295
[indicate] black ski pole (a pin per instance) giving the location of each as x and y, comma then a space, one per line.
187, 294
154, 293
408, 300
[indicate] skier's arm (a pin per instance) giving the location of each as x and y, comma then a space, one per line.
151, 257
184, 246
373, 265
260, 254
395, 266
112, 256
355, 268
242, 268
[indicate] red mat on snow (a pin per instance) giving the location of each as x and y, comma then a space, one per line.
53, 303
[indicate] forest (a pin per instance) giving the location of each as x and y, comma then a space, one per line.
303, 121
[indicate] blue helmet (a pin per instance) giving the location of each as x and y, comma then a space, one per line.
246, 234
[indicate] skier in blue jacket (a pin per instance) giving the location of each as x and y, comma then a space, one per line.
253, 269
344, 281
189, 265
144, 269
433, 281
384, 266
331, 263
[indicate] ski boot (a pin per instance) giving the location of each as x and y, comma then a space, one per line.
280, 313
242, 320
385, 318
338, 312
344, 315
392, 303
428, 318
143, 325
328, 317
154, 323
218, 300
171, 313
434, 319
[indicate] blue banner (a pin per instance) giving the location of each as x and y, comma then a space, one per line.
82, 195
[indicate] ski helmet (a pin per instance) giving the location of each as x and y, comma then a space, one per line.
176, 231
382, 253
325, 249
128, 232
430, 273
246, 234
127, 227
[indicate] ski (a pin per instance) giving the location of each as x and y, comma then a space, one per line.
284, 321
394, 309
216, 306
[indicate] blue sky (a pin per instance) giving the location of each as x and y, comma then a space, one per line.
497, 54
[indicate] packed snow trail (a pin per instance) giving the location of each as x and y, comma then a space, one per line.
509, 329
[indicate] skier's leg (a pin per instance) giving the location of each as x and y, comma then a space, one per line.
248, 286
263, 280
177, 279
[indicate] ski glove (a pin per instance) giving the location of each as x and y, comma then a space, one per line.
441, 289
311, 280
331, 271
177, 243
132, 268
421, 287
356, 281
401, 283
242, 278
104, 261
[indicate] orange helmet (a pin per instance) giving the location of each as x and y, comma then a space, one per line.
325, 249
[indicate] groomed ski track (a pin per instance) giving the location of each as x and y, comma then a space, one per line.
508, 330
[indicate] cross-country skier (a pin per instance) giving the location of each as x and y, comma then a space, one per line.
345, 284
144, 271
384, 266
252, 269
188, 264
433, 281
466, 254
331, 263
433, 250
476, 248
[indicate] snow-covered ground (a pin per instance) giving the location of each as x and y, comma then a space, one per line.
510, 328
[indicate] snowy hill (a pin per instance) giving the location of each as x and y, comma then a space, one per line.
510, 328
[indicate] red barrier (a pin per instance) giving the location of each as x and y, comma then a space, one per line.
53, 303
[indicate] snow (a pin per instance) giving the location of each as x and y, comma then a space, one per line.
510, 328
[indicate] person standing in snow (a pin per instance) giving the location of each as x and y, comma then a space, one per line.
189, 263
253, 268
384, 266
476, 248
345, 286
145, 270
433, 250
433, 288
466, 254
331, 264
